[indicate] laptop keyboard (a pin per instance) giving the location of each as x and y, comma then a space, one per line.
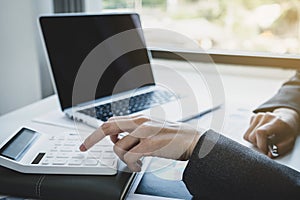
129, 105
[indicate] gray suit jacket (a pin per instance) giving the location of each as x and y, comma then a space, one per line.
233, 171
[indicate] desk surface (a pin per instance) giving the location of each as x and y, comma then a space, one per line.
244, 91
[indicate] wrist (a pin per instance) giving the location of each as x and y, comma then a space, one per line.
288, 115
192, 146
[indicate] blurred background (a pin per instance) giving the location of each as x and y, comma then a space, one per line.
264, 27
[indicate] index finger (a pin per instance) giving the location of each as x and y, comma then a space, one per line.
92, 139
112, 127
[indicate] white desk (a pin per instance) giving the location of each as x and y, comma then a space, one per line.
244, 88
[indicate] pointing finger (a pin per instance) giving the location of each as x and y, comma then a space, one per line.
113, 127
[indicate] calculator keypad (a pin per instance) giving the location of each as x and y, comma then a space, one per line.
64, 151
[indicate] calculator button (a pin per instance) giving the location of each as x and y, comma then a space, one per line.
104, 144
50, 155
51, 138
66, 149
91, 162
59, 162
107, 148
94, 156
69, 144
60, 137
108, 154
72, 138
54, 149
63, 155
57, 142
96, 149
46, 161
78, 156
75, 162
107, 162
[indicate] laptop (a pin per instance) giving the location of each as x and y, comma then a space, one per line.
125, 87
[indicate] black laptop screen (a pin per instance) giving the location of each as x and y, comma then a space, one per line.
69, 39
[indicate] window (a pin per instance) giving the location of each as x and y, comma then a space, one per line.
258, 25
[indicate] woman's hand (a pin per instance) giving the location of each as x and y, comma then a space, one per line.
146, 137
280, 126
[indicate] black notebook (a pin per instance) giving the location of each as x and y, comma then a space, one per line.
39, 186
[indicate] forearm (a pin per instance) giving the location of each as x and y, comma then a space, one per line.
232, 171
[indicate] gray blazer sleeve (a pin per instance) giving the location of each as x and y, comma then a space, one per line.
287, 96
233, 171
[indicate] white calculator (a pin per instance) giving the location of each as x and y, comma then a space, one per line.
29, 151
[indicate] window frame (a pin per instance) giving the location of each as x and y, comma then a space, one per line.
255, 59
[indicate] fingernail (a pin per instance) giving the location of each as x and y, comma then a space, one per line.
82, 148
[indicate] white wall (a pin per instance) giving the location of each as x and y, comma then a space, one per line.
20, 56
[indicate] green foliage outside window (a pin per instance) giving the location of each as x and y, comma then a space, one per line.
262, 25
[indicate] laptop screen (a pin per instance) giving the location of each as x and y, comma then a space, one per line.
69, 39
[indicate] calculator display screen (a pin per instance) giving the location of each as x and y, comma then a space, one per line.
19, 144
